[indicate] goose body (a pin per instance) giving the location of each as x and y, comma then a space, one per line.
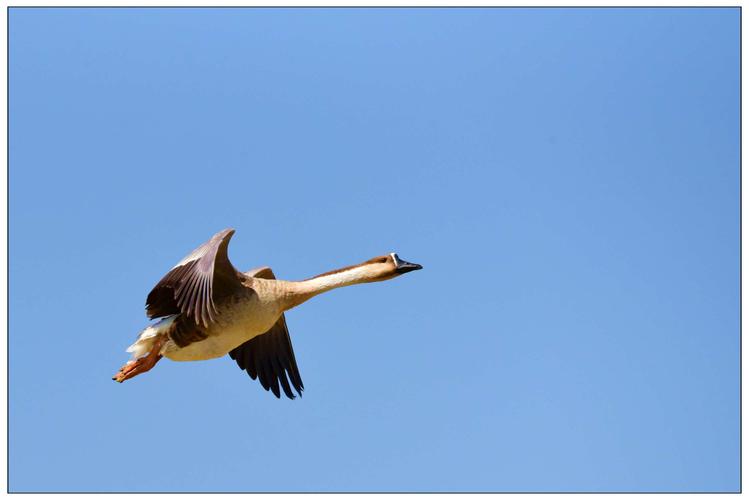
238, 320
207, 309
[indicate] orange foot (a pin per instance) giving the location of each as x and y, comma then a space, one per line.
140, 365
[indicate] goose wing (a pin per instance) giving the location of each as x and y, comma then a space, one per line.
269, 357
194, 284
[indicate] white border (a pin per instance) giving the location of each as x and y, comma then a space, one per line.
297, 3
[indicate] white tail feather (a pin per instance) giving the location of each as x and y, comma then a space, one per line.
147, 337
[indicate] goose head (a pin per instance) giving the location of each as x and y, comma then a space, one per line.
385, 267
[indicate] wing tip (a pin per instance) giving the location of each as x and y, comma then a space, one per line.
224, 233
271, 387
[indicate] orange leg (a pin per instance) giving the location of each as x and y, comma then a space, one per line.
141, 365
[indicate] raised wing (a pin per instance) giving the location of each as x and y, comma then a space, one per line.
196, 282
270, 357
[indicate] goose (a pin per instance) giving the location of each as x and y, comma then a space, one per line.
207, 309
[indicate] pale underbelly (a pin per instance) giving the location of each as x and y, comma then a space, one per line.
224, 337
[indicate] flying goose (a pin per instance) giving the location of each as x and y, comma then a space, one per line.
208, 309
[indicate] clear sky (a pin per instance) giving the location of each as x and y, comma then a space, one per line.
568, 178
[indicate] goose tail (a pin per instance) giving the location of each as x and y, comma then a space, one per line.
147, 338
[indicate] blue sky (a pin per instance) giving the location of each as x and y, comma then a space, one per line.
569, 178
